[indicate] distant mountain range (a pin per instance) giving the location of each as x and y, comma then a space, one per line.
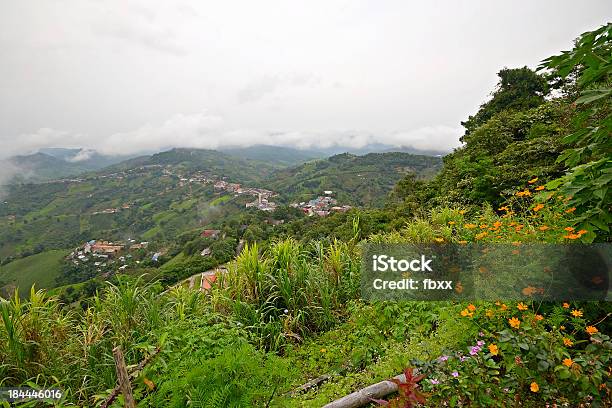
53, 163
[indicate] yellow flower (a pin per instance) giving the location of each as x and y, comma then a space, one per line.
461, 212
466, 313
439, 240
568, 342
562, 327
493, 349
568, 362
533, 180
522, 306
323, 350
540, 188
591, 330
451, 223
577, 313
534, 387
489, 313
566, 305
463, 242
482, 235
471, 307
470, 226
514, 322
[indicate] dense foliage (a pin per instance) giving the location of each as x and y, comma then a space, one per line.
288, 308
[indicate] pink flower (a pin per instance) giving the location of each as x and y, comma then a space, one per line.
434, 381
442, 358
475, 350
480, 343
463, 358
455, 374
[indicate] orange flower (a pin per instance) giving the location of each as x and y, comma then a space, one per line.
561, 327
540, 188
538, 207
543, 227
591, 330
503, 307
568, 342
569, 229
523, 193
483, 226
493, 349
471, 307
497, 224
528, 291
568, 362
570, 210
577, 313
582, 232
566, 305
466, 313
571, 236
522, 306
482, 235
539, 317
534, 387
514, 322
470, 226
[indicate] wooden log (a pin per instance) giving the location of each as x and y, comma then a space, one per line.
111, 397
310, 384
363, 396
124, 380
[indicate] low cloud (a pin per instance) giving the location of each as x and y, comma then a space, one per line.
210, 131
82, 155
7, 172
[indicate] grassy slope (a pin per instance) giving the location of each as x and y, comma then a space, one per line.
41, 269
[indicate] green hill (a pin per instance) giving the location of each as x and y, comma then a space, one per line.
356, 180
40, 269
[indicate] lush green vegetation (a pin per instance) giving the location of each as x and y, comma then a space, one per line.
534, 168
40, 270
356, 180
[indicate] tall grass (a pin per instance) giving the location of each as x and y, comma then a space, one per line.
290, 290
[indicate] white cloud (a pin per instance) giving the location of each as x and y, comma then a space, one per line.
82, 155
210, 131
43, 137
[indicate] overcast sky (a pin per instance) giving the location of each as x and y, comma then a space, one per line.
125, 76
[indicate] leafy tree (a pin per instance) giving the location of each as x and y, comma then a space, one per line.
587, 183
517, 89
